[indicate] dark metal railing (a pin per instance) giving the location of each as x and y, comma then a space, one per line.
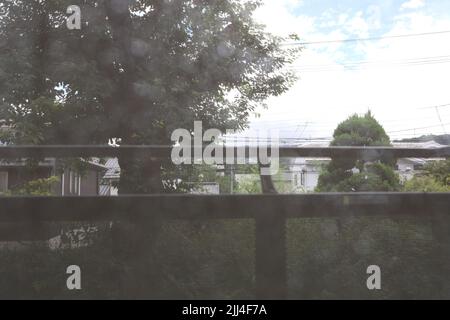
269, 211
60, 151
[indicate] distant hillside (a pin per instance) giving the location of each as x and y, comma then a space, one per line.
441, 139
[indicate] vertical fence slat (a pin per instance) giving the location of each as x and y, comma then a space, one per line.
271, 274
440, 223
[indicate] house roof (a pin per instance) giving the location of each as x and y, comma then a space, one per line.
326, 143
421, 161
112, 169
95, 164
47, 162
425, 145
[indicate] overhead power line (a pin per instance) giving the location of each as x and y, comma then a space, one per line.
440, 120
421, 128
358, 65
394, 61
295, 121
438, 106
367, 39
293, 112
252, 138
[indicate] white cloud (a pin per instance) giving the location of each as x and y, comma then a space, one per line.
374, 17
413, 4
395, 92
358, 25
277, 16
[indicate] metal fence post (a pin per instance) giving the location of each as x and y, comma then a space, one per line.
271, 270
440, 220
271, 274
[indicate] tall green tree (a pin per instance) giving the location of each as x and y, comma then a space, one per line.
355, 242
351, 174
137, 70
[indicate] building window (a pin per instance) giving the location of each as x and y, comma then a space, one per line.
3, 181
300, 178
74, 183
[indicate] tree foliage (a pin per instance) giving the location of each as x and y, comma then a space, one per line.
38, 187
440, 171
338, 252
435, 178
425, 184
137, 70
351, 174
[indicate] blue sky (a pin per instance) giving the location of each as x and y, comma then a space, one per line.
387, 9
380, 15
397, 78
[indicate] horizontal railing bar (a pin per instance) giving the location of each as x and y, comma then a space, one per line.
60, 151
187, 207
